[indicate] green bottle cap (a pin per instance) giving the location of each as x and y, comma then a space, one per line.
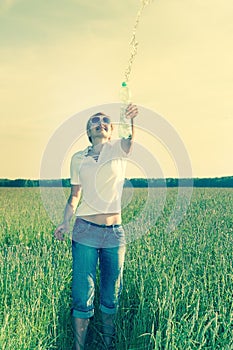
124, 84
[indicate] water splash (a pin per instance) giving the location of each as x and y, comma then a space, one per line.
133, 42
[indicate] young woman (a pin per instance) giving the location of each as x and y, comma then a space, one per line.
98, 174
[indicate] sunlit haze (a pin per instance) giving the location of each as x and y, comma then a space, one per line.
61, 57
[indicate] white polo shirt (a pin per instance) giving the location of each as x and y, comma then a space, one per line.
101, 181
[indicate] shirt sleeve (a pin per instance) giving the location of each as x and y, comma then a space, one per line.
75, 165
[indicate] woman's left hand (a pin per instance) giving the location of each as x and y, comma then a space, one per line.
131, 111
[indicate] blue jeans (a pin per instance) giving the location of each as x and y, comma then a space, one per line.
104, 249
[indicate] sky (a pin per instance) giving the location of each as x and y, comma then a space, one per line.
61, 57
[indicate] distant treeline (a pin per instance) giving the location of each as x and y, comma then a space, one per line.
136, 182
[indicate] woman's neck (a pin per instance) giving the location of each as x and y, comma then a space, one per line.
97, 146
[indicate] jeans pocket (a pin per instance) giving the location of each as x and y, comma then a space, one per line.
80, 229
119, 234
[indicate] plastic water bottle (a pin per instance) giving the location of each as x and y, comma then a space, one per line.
125, 129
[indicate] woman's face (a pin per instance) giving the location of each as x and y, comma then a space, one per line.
99, 127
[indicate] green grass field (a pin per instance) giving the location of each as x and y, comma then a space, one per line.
178, 286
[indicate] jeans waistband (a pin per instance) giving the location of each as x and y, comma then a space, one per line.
99, 225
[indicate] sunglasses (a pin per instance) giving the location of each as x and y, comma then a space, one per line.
97, 120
